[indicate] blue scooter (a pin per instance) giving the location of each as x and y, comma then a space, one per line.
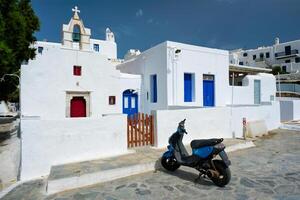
202, 158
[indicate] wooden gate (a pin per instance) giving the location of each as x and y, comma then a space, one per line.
140, 130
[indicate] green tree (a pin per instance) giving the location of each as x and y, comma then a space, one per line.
276, 70
18, 23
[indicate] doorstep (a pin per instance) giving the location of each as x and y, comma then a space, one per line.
293, 125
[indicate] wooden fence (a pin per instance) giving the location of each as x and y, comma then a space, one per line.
140, 130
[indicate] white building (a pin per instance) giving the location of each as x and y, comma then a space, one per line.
285, 55
176, 75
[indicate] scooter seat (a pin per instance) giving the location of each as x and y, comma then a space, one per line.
203, 143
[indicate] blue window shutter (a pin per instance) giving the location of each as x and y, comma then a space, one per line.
154, 88
187, 87
153, 82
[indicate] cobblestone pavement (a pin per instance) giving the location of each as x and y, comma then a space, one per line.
269, 171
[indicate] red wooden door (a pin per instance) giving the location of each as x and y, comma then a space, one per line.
78, 107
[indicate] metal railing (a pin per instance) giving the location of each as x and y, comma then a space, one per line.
280, 54
288, 87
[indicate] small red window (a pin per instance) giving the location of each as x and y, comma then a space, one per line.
77, 70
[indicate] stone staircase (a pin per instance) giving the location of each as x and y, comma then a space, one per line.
75, 175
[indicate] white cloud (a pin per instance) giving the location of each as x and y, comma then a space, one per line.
124, 29
139, 13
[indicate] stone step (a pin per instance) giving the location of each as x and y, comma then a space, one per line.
81, 174
292, 127
75, 175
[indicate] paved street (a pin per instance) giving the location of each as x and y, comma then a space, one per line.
269, 171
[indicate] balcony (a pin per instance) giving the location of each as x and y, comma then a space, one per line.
284, 54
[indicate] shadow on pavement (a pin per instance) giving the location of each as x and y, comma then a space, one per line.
183, 174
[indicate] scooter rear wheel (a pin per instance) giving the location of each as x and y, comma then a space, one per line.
170, 163
225, 174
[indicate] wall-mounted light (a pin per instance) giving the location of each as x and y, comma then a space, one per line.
177, 51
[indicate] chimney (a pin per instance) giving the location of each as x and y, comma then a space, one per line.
276, 40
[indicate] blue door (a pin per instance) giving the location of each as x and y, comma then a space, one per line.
130, 102
208, 90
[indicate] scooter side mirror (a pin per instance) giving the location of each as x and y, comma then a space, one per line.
182, 122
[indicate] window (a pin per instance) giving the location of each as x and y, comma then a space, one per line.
287, 61
40, 50
96, 47
297, 60
267, 55
132, 102
76, 33
254, 57
76, 70
189, 85
241, 63
261, 55
284, 68
287, 50
245, 54
153, 88
126, 102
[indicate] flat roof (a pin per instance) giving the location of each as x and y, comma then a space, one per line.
248, 69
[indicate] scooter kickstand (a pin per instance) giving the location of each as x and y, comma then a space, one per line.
198, 178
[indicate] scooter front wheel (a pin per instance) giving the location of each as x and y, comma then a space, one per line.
170, 163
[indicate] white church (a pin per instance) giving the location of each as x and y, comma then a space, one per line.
74, 78
76, 95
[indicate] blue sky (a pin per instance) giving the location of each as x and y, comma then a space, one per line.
141, 24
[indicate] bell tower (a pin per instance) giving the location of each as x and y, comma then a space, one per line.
109, 35
74, 34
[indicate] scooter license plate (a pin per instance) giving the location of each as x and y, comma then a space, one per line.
224, 157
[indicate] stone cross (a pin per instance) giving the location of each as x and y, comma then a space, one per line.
76, 11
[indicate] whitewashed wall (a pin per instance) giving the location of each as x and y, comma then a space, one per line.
244, 95
297, 109
52, 142
151, 61
47, 78
197, 60
202, 123
268, 113
131, 81
106, 48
